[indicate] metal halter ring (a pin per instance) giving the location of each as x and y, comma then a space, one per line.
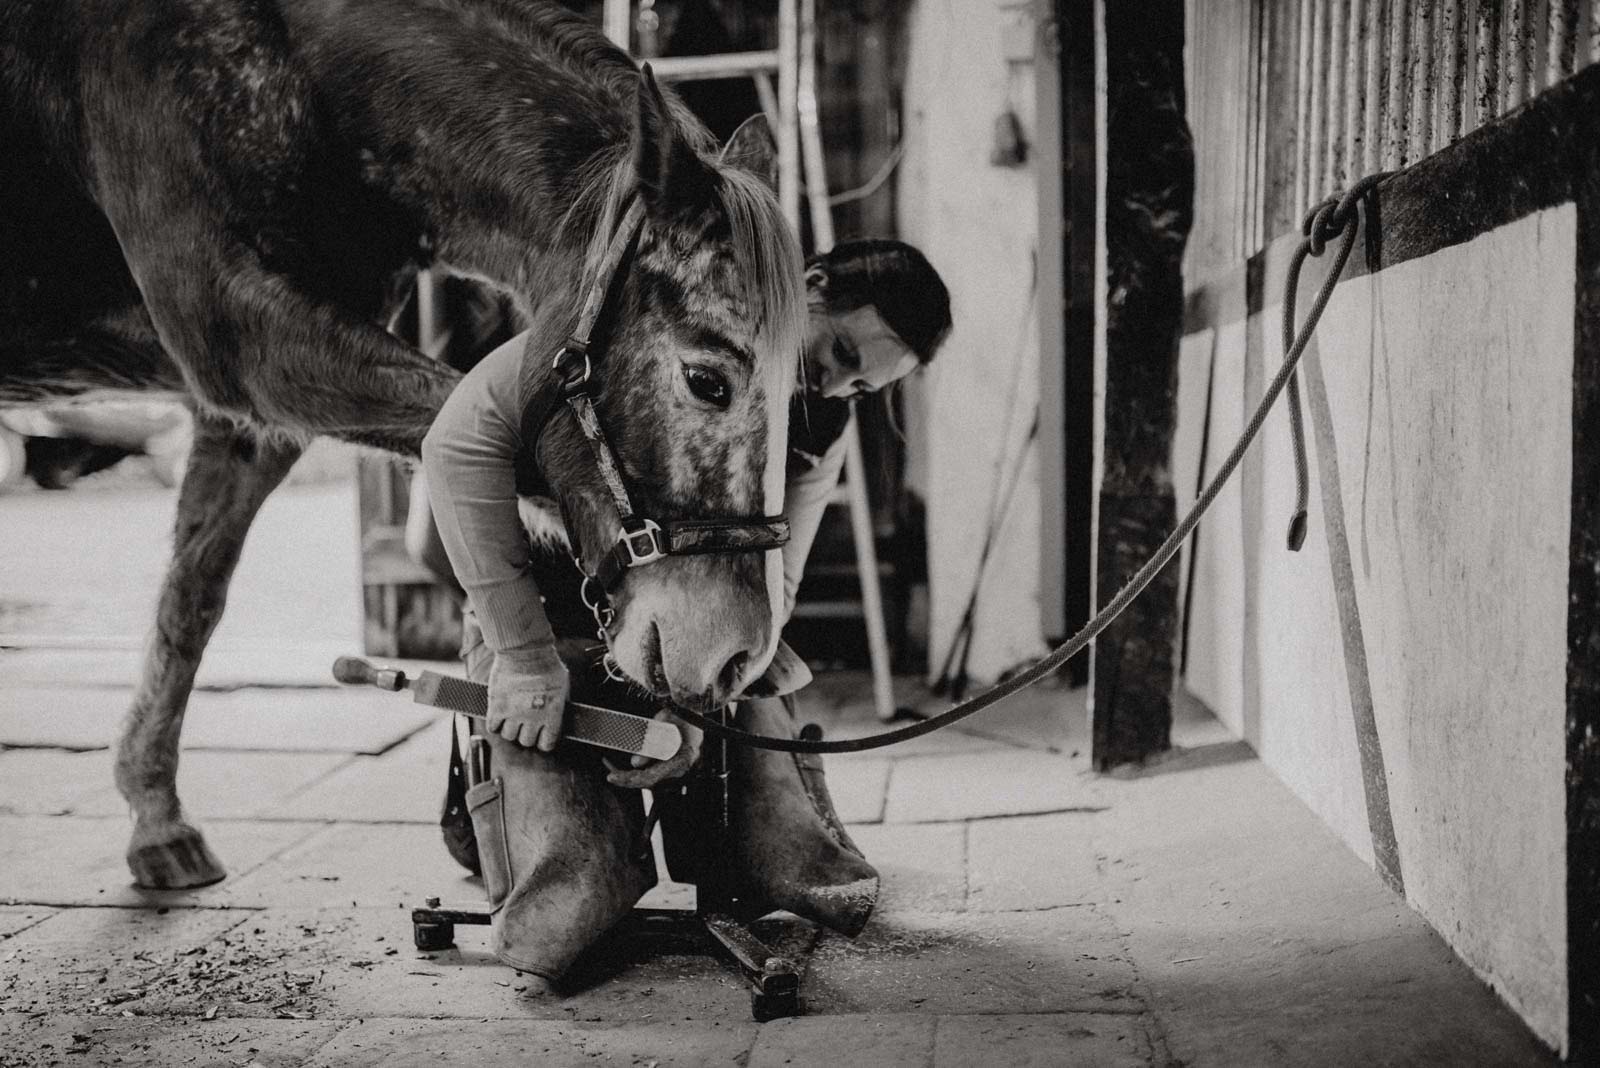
572, 379
598, 604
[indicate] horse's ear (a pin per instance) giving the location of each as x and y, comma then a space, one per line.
752, 148
672, 177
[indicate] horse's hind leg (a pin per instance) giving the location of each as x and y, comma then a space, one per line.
230, 473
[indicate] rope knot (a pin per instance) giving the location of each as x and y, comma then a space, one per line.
1323, 225
1331, 217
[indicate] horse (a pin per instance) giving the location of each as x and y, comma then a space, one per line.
222, 200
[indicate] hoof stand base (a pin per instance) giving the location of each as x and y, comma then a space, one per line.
774, 980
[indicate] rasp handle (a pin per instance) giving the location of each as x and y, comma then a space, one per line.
354, 671
593, 725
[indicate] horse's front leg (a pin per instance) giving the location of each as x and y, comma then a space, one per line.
230, 473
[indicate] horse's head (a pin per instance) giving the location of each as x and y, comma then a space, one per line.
695, 356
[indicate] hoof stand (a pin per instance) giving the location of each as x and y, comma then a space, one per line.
774, 980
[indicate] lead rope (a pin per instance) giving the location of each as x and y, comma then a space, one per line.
1331, 218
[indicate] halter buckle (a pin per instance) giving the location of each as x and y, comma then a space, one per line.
641, 537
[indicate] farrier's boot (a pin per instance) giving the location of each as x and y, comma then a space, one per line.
564, 854
786, 846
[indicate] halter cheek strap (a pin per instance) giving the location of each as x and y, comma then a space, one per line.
642, 540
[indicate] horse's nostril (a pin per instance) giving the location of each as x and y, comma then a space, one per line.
729, 678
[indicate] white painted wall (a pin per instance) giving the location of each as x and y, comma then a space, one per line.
1448, 385
976, 223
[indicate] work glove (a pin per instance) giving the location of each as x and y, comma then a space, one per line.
528, 696
644, 773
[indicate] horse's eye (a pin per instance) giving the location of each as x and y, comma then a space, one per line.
708, 385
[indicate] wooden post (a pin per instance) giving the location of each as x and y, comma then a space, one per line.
1583, 608
1148, 210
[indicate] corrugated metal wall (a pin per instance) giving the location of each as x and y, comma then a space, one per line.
1290, 100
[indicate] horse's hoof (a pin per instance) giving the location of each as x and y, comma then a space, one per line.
180, 862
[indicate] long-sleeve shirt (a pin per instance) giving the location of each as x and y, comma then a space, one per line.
470, 458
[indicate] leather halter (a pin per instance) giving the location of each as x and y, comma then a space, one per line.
642, 540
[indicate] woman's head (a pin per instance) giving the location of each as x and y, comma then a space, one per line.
878, 310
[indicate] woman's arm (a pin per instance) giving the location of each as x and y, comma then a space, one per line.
470, 459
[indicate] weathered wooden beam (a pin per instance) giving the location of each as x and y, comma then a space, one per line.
1149, 194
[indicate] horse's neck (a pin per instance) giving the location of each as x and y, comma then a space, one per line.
490, 129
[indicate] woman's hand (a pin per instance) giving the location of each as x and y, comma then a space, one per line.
528, 696
646, 773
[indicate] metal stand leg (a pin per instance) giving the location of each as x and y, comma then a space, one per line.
433, 927
774, 980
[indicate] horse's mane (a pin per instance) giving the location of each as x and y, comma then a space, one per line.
555, 35
766, 254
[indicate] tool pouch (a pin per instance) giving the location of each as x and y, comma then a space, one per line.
454, 819
489, 826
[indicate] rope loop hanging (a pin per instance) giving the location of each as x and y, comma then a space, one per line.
1334, 218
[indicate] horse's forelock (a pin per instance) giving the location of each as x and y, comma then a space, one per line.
765, 252
766, 255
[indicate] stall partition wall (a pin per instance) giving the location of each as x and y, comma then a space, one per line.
1425, 673
1292, 100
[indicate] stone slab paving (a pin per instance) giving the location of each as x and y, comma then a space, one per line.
50, 782
223, 785
1046, 716
15, 918
352, 865
359, 963
1003, 782
315, 720
403, 785
228, 665
1190, 914
921, 868
1033, 862
1263, 936
1093, 1040
498, 1044
72, 861
859, 785
880, 1041
68, 963
840, 703
365, 789
28, 1041
1061, 960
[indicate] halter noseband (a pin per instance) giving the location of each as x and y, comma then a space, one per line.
642, 540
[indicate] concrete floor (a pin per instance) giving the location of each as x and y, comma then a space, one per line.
1032, 913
